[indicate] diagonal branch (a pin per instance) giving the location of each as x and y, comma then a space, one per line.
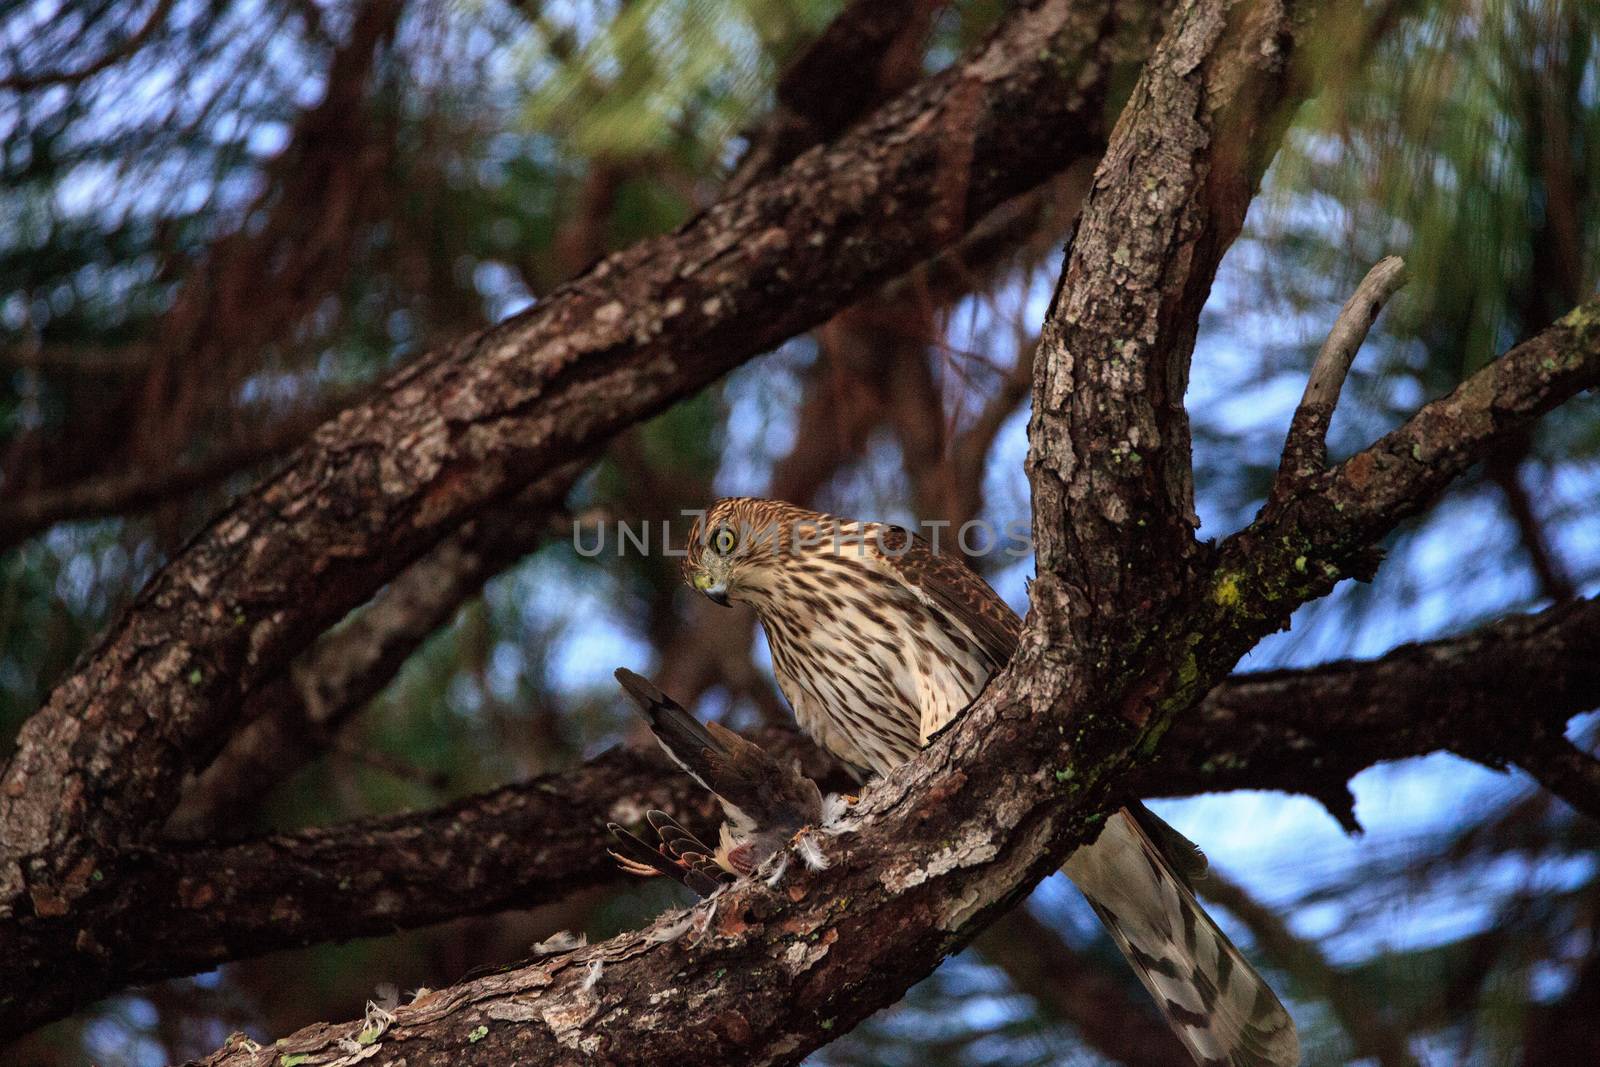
1564, 769
528, 844
471, 424
294, 716
870, 51
1325, 530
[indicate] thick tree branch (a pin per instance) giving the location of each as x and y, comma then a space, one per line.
953, 838
1564, 769
1110, 461
294, 716
185, 909
1298, 730
466, 426
1491, 695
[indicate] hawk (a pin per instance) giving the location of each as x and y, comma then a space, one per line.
878, 642
767, 804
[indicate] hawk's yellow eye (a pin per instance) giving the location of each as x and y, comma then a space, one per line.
723, 540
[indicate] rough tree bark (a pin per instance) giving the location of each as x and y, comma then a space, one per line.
296, 715
1132, 623
99, 766
956, 837
1487, 695
947, 842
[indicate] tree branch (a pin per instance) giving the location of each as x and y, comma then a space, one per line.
185, 909
1326, 529
1564, 769
1488, 695
1110, 462
468, 425
293, 717
870, 51
1306, 451
1298, 730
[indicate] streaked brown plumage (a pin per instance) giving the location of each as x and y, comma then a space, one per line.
766, 803
877, 642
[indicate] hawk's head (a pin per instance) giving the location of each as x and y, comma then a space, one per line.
740, 547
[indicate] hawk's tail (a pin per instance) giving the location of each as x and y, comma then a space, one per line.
1223, 1012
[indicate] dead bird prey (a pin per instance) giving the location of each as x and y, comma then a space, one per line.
767, 804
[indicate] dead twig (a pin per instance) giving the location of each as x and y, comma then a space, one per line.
1305, 451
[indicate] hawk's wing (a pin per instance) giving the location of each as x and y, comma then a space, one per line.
944, 582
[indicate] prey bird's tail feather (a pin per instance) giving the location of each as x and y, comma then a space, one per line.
683, 737
1222, 1011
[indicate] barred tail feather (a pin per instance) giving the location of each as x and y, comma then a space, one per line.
1222, 1011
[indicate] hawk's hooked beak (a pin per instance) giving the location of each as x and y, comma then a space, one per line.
716, 592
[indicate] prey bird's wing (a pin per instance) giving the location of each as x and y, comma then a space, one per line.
688, 743
755, 790
636, 856
681, 856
